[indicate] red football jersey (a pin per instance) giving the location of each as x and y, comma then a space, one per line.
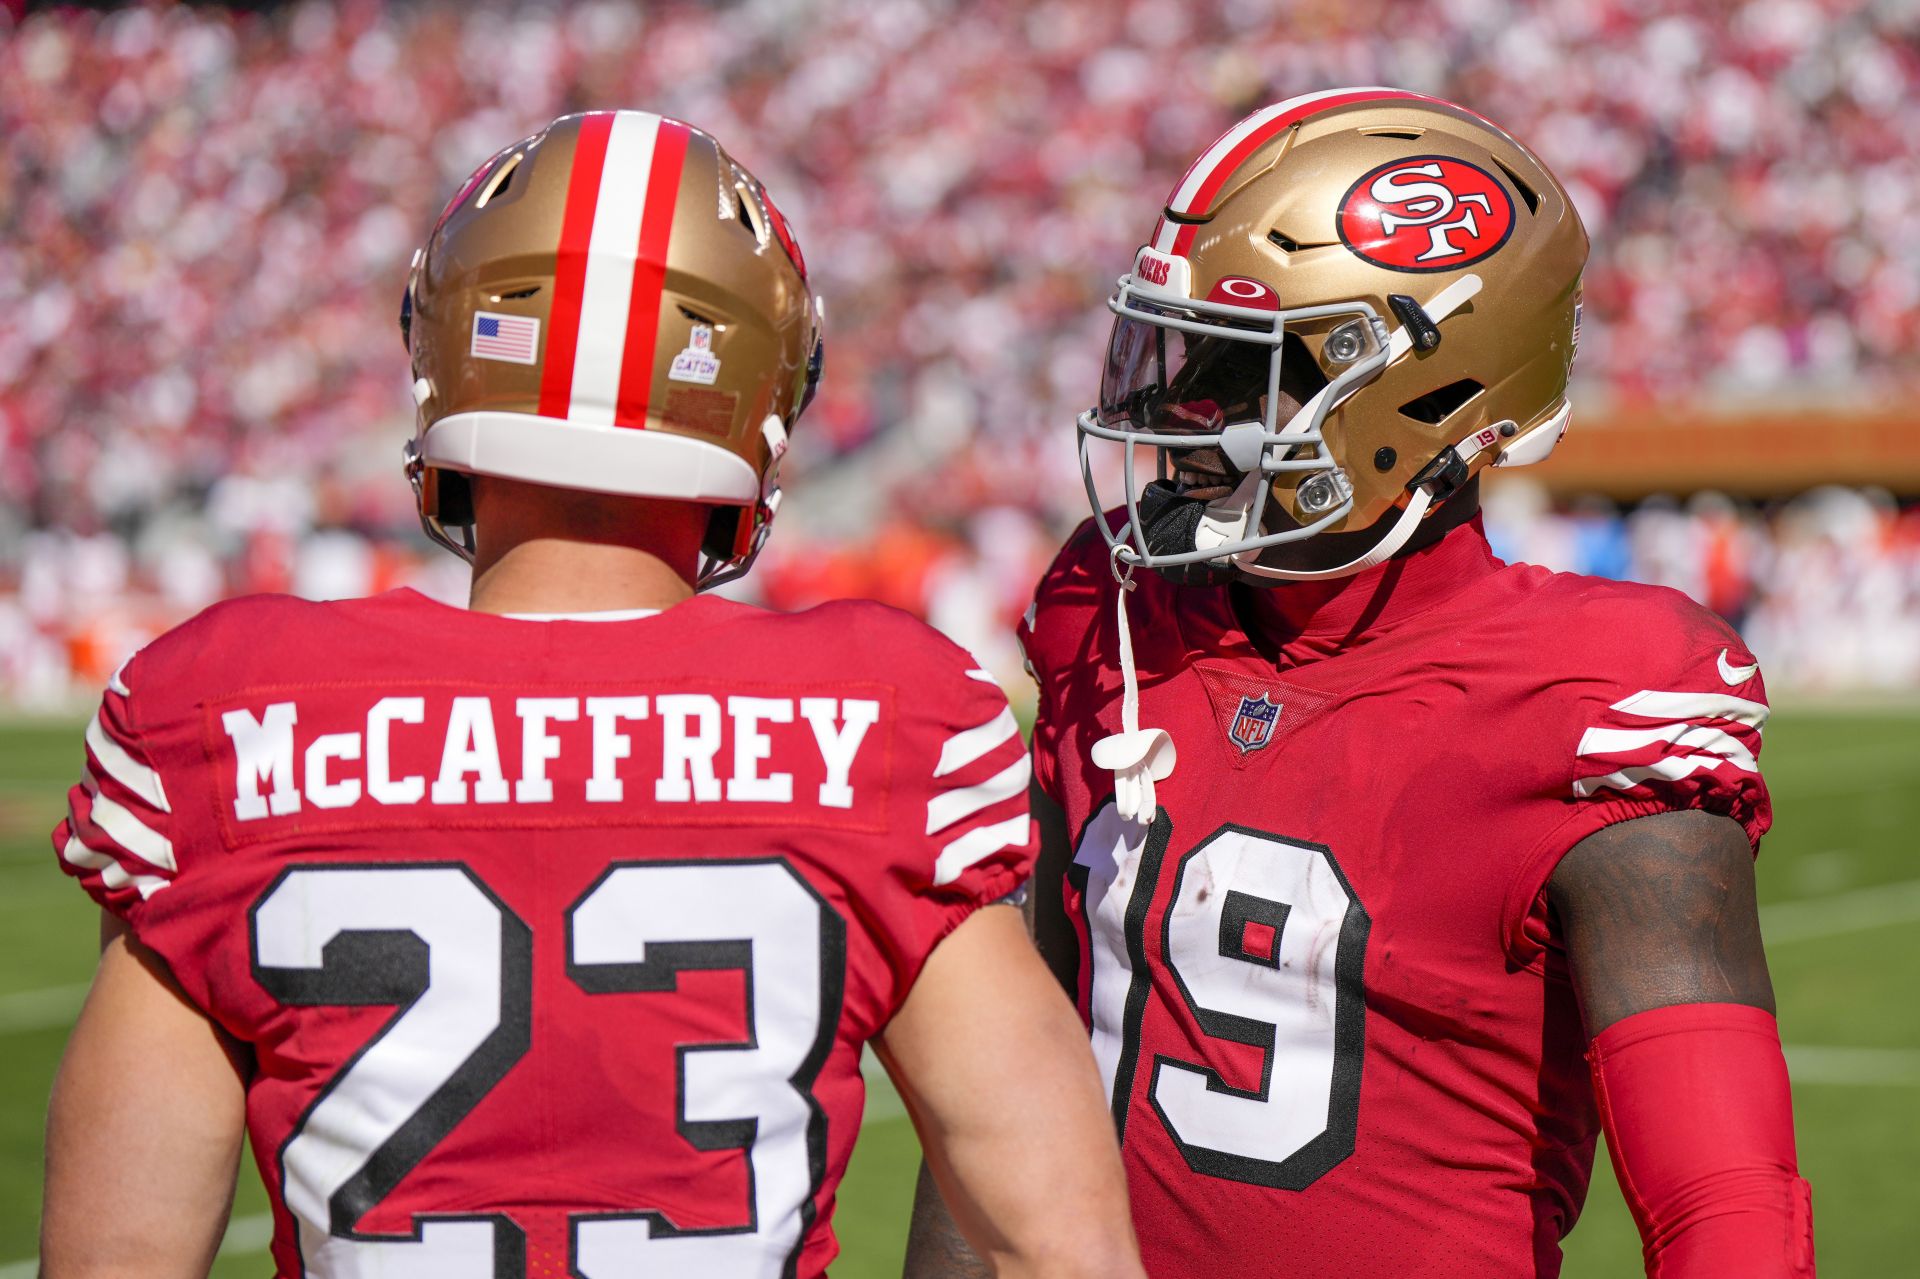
556, 942
1321, 985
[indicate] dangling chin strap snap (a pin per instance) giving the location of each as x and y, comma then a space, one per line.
1136, 757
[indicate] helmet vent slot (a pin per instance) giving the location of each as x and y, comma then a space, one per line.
748, 215
1438, 405
515, 295
502, 179
1527, 193
1286, 243
1405, 135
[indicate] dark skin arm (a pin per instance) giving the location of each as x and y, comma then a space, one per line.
1658, 911
935, 1247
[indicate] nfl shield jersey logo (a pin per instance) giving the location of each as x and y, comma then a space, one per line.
1252, 725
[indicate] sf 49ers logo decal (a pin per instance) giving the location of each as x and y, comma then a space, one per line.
1428, 213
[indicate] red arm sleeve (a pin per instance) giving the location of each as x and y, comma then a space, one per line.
1699, 1121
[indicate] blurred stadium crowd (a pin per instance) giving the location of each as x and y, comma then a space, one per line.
205, 218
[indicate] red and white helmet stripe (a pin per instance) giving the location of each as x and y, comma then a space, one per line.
1203, 180
612, 268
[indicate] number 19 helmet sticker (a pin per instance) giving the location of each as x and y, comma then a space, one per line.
1428, 213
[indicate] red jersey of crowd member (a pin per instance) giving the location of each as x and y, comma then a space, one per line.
1387, 875
545, 936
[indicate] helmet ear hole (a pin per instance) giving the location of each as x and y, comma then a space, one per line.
1442, 402
448, 496
723, 532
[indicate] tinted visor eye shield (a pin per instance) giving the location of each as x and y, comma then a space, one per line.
1184, 375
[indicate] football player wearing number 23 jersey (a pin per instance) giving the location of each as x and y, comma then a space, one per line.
1386, 874
544, 937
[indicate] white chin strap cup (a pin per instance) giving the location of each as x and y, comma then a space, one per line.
1137, 757
1226, 519
1137, 760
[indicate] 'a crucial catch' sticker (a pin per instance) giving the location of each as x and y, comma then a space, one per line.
697, 363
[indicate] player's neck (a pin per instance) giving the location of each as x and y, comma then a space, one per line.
546, 550
554, 575
1318, 618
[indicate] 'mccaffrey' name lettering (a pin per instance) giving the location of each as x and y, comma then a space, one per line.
273, 777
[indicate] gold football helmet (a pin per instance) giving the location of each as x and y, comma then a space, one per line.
1401, 269
611, 305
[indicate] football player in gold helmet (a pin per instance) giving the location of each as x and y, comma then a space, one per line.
1386, 874
593, 1001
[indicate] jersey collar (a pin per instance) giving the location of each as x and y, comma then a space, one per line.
1304, 622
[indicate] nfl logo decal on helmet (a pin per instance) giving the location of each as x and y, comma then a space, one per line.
1252, 726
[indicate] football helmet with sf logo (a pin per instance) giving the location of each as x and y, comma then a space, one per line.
1352, 302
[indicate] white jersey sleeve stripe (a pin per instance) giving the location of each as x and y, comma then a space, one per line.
116, 683
1698, 737
1671, 769
983, 676
977, 845
112, 873
948, 807
124, 768
118, 823
970, 744
1652, 704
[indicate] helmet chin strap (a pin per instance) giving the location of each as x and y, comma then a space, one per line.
1385, 549
1421, 502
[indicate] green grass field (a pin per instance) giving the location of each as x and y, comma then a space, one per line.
1841, 894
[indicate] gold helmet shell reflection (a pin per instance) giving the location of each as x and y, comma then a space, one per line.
1425, 263
613, 305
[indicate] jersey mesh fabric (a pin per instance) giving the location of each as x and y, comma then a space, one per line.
1382, 1074
436, 893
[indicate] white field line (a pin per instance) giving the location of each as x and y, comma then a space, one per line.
883, 1101
1850, 912
48, 1008
1857, 1067
1854, 785
244, 1235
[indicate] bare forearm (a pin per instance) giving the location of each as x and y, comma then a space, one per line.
147, 1118
1008, 1104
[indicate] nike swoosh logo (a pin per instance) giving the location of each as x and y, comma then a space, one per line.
1732, 675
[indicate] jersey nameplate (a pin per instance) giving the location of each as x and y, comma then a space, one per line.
668, 755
